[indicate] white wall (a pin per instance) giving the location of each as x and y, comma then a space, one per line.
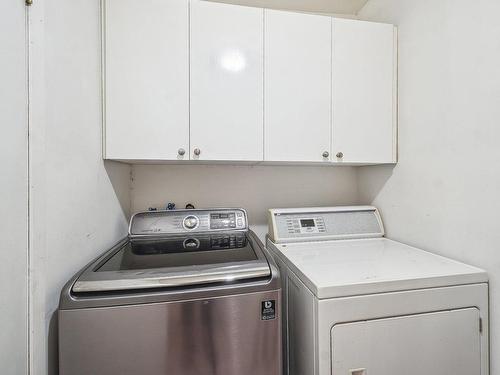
254, 188
13, 189
444, 193
76, 210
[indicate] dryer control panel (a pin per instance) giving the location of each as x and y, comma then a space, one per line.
324, 223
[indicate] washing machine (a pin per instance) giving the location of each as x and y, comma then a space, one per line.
188, 292
357, 303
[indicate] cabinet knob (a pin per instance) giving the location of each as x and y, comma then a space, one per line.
181, 152
197, 151
340, 155
326, 154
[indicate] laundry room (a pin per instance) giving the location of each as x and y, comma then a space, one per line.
276, 187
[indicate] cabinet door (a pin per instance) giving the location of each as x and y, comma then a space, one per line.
226, 82
146, 54
364, 92
297, 86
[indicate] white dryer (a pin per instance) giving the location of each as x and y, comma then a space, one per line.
356, 303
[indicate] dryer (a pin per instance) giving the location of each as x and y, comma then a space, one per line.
357, 303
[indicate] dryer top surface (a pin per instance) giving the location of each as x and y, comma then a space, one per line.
341, 268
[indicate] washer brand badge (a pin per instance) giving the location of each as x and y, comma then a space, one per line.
268, 310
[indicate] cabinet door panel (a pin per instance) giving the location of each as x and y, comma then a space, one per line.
297, 86
146, 79
363, 82
226, 81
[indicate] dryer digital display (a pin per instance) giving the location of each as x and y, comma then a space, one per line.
307, 223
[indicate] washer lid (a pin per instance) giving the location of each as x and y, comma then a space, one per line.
176, 262
355, 267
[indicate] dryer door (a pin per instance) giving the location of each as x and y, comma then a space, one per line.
441, 343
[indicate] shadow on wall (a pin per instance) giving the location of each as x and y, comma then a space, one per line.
120, 179
53, 346
372, 180
255, 188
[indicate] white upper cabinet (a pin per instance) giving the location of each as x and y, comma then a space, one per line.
364, 92
204, 81
226, 82
297, 66
146, 79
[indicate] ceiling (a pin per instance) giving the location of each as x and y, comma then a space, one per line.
316, 6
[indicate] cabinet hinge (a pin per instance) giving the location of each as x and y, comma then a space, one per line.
28, 2
480, 325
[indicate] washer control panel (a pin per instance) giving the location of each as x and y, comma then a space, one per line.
312, 224
186, 221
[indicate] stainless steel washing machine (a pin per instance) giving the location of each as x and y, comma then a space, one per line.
189, 292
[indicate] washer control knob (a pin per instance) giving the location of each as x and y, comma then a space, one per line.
191, 243
197, 151
181, 152
340, 155
326, 154
190, 222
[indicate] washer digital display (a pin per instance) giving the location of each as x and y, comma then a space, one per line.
222, 220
